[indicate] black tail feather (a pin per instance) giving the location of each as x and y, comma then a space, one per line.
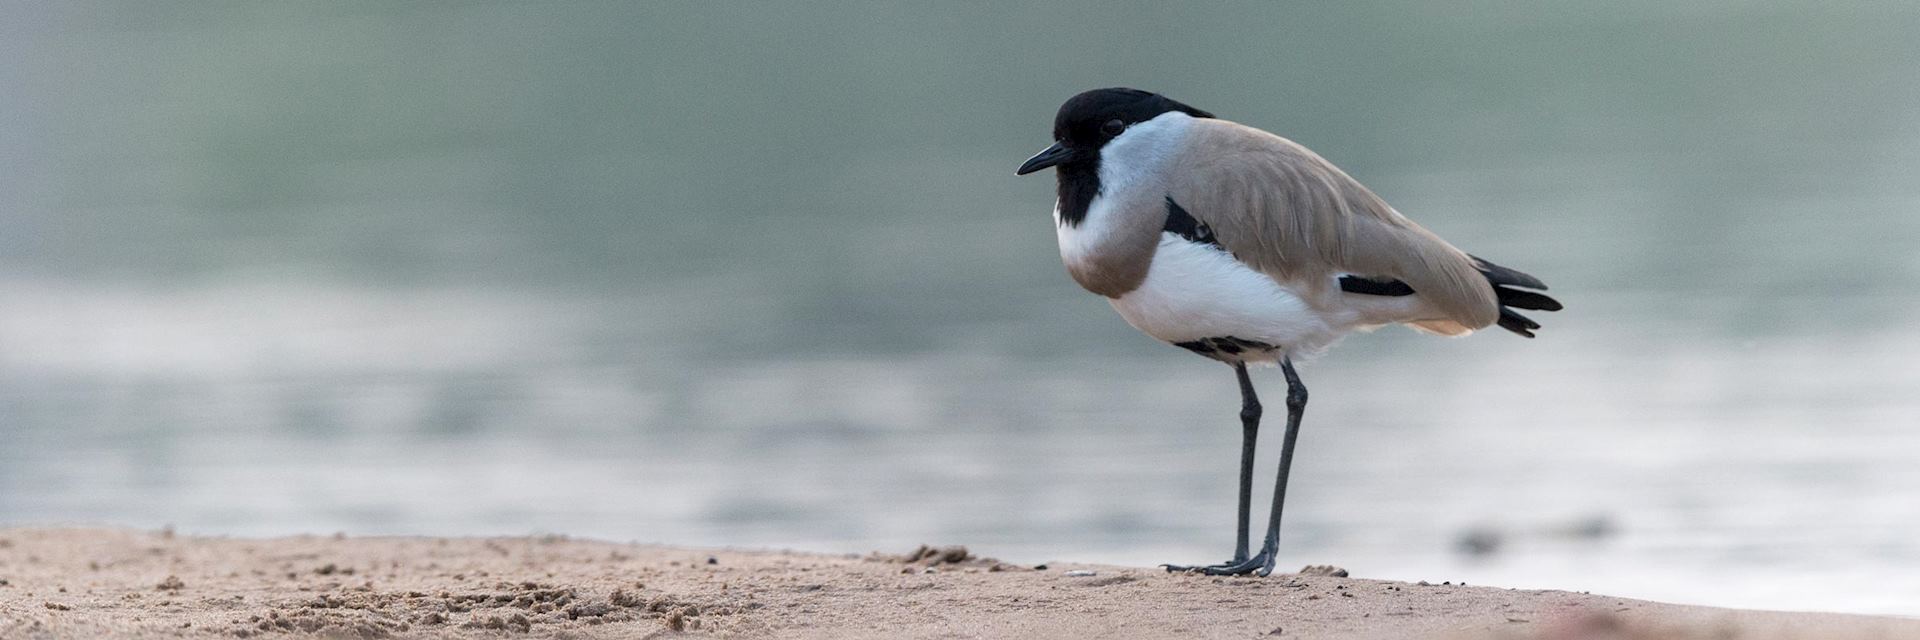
1503, 279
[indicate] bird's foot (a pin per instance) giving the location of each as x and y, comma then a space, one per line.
1260, 565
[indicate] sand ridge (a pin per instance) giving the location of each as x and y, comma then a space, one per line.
103, 583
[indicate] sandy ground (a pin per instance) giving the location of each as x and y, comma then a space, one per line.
83, 583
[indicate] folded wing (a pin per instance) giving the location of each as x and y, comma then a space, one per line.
1289, 213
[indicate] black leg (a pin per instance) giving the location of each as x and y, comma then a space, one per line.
1249, 432
1296, 406
1262, 563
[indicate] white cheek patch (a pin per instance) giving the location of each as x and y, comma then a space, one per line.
1141, 150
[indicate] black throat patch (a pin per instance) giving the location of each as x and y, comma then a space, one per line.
1079, 185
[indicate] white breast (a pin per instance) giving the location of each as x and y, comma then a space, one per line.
1195, 291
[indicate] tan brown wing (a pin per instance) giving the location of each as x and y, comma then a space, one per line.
1286, 211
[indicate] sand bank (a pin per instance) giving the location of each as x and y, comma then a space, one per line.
86, 583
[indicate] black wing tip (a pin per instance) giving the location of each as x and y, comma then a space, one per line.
1500, 275
1513, 321
1529, 300
1505, 281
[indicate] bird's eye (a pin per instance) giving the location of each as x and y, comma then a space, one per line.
1113, 127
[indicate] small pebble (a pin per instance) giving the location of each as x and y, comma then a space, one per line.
1323, 570
1080, 573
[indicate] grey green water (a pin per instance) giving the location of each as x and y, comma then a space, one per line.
761, 275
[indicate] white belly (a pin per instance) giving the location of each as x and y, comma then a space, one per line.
1194, 292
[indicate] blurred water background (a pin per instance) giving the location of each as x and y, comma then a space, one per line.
717, 274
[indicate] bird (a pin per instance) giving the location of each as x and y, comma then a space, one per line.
1247, 248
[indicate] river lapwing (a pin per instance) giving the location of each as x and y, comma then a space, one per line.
1245, 247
